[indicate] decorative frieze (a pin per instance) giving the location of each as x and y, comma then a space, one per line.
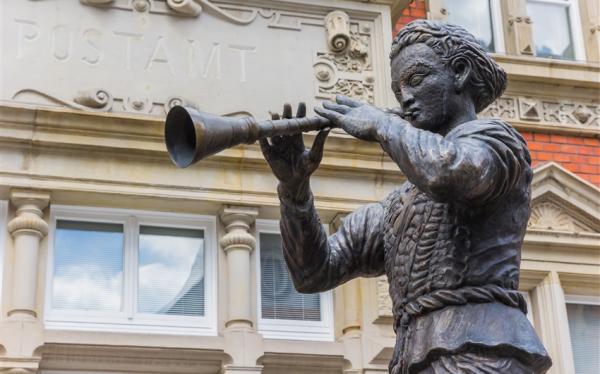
549, 111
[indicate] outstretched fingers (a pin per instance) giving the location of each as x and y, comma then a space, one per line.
345, 100
287, 110
316, 152
331, 115
301, 111
338, 108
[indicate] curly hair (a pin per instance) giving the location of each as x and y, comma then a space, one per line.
451, 42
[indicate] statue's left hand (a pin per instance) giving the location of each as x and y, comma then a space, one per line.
358, 119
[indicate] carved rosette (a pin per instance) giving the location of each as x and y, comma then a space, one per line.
348, 72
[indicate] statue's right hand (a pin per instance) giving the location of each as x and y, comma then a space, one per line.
287, 156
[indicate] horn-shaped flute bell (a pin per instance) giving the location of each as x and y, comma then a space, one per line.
192, 135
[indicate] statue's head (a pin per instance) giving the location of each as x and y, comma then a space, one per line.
440, 72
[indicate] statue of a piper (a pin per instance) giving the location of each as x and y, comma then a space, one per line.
449, 239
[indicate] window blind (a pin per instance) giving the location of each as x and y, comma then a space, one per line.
171, 271
279, 298
88, 266
584, 326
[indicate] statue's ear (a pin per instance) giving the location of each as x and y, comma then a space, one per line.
462, 73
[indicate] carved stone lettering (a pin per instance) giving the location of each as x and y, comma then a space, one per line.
131, 49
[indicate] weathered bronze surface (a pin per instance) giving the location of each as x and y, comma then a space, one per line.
192, 135
449, 239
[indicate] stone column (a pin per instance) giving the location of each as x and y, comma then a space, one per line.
242, 343
238, 243
27, 228
551, 323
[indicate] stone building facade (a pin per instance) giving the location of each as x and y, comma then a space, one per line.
112, 260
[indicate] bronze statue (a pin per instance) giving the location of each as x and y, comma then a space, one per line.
449, 239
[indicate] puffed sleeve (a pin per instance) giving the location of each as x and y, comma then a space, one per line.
476, 163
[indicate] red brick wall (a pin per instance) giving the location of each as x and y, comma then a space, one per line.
415, 10
577, 154
580, 155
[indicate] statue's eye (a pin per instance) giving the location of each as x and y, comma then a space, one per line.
416, 79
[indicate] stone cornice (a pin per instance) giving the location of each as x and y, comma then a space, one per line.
536, 69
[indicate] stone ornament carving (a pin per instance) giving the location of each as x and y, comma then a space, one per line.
349, 72
547, 215
337, 24
101, 100
552, 111
241, 15
384, 302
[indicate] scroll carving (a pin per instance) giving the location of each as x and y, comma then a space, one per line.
337, 24
550, 111
348, 72
100, 100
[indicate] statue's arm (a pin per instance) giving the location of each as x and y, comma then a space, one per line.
476, 166
318, 262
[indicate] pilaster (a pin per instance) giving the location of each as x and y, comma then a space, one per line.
27, 228
518, 33
22, 333
242, 343
552, 325
238, 243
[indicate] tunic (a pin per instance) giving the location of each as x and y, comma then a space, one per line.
449, 240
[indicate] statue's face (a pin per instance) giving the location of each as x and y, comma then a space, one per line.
424, 87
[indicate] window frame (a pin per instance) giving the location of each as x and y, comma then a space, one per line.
3, 239
495, 17
575, 24
290, 329
128, 319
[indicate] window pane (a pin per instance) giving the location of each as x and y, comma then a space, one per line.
171, 271
279, 298
88, 266
476, 17
551, 30
584, 326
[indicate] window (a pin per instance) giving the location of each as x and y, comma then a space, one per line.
481, 18
145, 271
3, 233
283, 312
584, 328
556, 29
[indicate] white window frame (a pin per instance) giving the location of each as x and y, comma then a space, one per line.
291, 329
575, 23
496, 19
497, 31
128, 320
3, 232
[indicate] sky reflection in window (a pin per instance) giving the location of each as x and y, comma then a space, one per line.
171, 271
88, 266
551, 30
476, 17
